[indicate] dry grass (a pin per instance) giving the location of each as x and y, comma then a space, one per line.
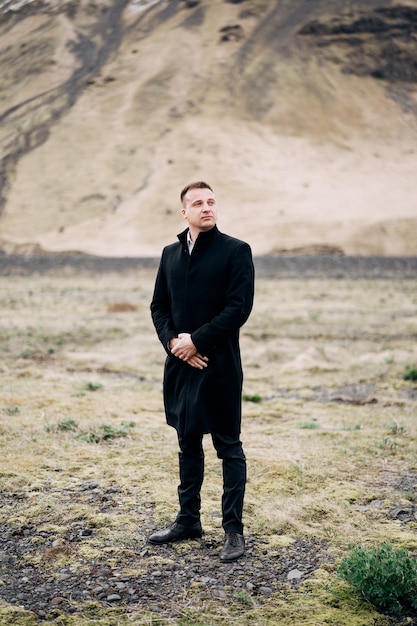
330, 446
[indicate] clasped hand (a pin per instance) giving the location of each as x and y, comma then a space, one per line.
183, 348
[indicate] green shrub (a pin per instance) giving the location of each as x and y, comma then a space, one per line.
309, 425
11, 410
385, 576
91, 386
254, 397
105, 432
410, 373
67, 424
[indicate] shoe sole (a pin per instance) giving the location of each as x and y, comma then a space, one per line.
231, 560
161, 543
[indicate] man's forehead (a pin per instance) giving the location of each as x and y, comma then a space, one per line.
196, 194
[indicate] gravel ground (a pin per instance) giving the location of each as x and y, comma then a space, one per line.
282, 266
167, 579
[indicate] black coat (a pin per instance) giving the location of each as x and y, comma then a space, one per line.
210, 295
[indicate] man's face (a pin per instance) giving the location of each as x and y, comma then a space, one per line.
200, 209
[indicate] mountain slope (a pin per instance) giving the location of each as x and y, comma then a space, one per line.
301, 115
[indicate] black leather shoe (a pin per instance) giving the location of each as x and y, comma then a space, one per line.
234, 547
176, 532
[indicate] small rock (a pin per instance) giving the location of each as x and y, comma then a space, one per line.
205, 579
361, 507
64, 576
91, 485
114, 597
405, 514
5, 558
295, 574
121, 586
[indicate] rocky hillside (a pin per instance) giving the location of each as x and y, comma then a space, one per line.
301, 114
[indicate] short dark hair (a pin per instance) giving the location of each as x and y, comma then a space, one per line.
198, 185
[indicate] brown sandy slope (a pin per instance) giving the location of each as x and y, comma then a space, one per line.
302, 115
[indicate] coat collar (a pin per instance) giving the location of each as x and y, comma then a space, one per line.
204, 237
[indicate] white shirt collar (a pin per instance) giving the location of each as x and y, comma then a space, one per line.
190, 242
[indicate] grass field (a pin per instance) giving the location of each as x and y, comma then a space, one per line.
329, 431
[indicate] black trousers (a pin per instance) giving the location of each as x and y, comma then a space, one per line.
191, 468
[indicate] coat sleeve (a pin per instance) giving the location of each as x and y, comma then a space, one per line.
161, 308
238, 303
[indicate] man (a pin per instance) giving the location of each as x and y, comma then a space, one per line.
203, 295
